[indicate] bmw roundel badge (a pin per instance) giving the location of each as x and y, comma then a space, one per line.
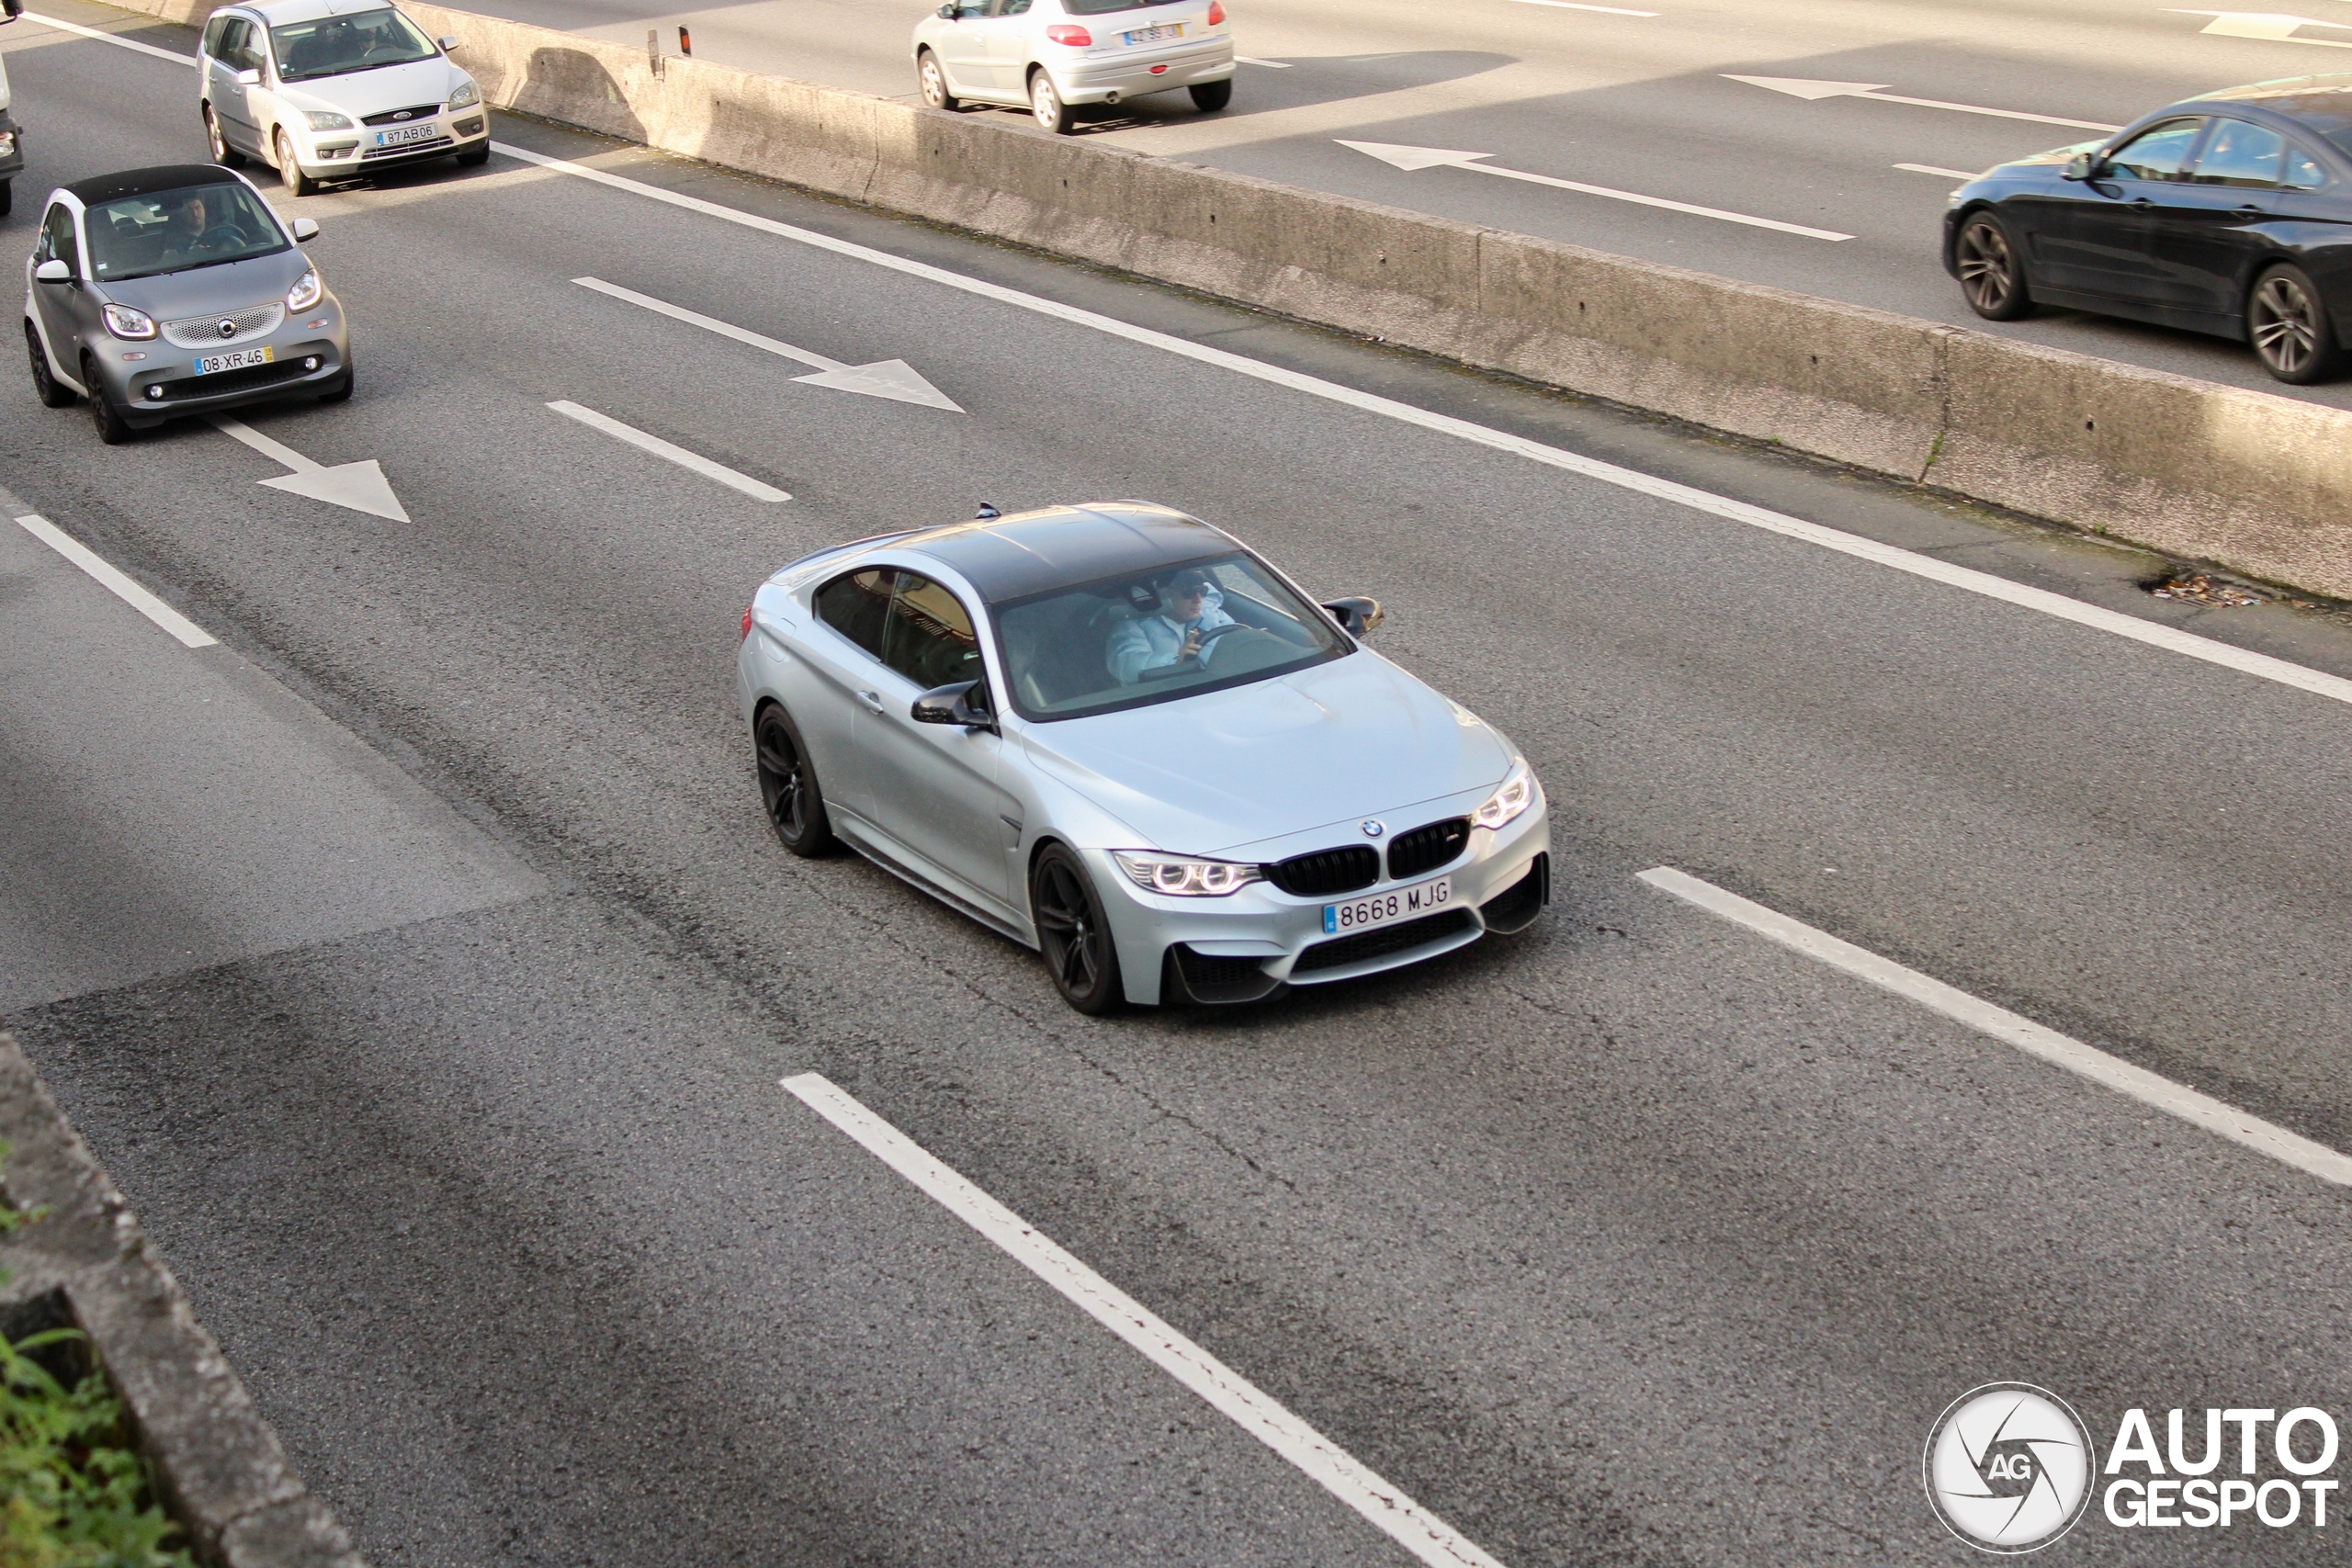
1373, 827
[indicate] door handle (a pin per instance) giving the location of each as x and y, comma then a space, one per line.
2142, 201
873, 701
2249, 211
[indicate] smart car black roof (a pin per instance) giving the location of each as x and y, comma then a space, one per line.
1030, 552
147, 182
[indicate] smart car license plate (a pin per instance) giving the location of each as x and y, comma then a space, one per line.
1153, 35
1387, 909
401, 136
242, 359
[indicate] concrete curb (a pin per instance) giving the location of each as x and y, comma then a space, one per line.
2255, 482
85, 1265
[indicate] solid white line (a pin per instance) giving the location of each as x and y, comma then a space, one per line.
1269, 64
2040, 600
115, 582
172, 55
1573, 6
710, 323
1615, 195
1412, 1527
275, 451
2059, 1050
1931, 169
1883, 97
675, 454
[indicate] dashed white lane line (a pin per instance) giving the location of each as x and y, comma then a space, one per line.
173, 55
2041, 600
1414, 1528
1575, 6
2111, 1072
696, 461
710, 323
1269, 64
114, 581
1931, 169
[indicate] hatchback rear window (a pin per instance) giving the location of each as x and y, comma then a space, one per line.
335, 46
174, 230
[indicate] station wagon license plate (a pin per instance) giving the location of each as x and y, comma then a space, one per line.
242, 359
1387, 908
401, 136
1153, 35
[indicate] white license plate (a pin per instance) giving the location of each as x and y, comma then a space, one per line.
1153, 35
242, 359
402, 135
1387, 909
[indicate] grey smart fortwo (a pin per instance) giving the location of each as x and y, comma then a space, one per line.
176, 291
1116, 734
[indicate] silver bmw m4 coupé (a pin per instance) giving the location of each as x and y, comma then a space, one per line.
1116, 735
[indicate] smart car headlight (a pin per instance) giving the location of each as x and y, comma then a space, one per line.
1183, 878
124, 321
1516, 794
327, 120
466, 97
305, 292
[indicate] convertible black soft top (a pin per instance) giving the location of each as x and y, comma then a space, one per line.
147, 182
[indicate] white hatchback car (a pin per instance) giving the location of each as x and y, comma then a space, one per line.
1054, 55
333, 89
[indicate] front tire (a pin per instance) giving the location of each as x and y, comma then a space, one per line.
474, 157
1210, 97
8, 198
2288, 325
112, 428
796, 805
53, 393
1073, 933
1991, 270
933, 76
217, 145
289, 169
1046, 103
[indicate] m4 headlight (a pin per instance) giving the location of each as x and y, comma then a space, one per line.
1182, 879
466, 97
124, 321
1516, 794
327, 120
305, 292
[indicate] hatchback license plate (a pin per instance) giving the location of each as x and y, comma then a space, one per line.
1387, 908
242, 359
402, 135
1154, 34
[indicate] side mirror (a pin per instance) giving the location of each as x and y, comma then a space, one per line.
1357, 617
249, 77
449, 44
305, 230
54, 271
952, 704
2078, 167
950, 11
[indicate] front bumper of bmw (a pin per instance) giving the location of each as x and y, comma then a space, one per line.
1248, 945
153, 379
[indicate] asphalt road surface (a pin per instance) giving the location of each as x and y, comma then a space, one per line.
416, 958
1637, 97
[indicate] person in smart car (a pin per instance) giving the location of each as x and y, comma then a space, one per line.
190, 221
1189, 610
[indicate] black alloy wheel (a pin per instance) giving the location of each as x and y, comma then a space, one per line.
53, 393
1210, 97
796, 805
112, 428
1073, 933
933, 77
216, 144
2288, 327
1992, 274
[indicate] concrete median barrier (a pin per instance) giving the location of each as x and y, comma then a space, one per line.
2258, 483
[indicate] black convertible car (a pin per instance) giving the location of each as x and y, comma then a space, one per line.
2229, 213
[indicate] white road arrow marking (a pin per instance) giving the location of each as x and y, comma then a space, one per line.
1813, 92
360, 486
1574, 6
1932, 169
1269, 64
2270, 27
1410, 159
892, 378
695, 462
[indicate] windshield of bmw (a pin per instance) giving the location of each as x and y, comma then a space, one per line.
173, 231
1128, 641
334, 46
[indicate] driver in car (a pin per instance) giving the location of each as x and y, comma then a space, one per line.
189, 223
1190, 608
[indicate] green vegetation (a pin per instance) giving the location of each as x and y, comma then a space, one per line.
74, 1492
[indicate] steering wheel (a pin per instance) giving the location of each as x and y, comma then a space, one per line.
1211, 634
227, 233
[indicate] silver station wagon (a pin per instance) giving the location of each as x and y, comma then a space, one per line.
1116, 735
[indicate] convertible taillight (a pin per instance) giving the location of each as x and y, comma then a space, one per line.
1076, 38
1217, 14
747, 622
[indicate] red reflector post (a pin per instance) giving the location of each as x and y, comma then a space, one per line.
1076, 38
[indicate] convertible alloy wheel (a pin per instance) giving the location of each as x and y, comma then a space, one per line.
1073, 933
1990, 273
788, 787
2289, 330
934, 84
